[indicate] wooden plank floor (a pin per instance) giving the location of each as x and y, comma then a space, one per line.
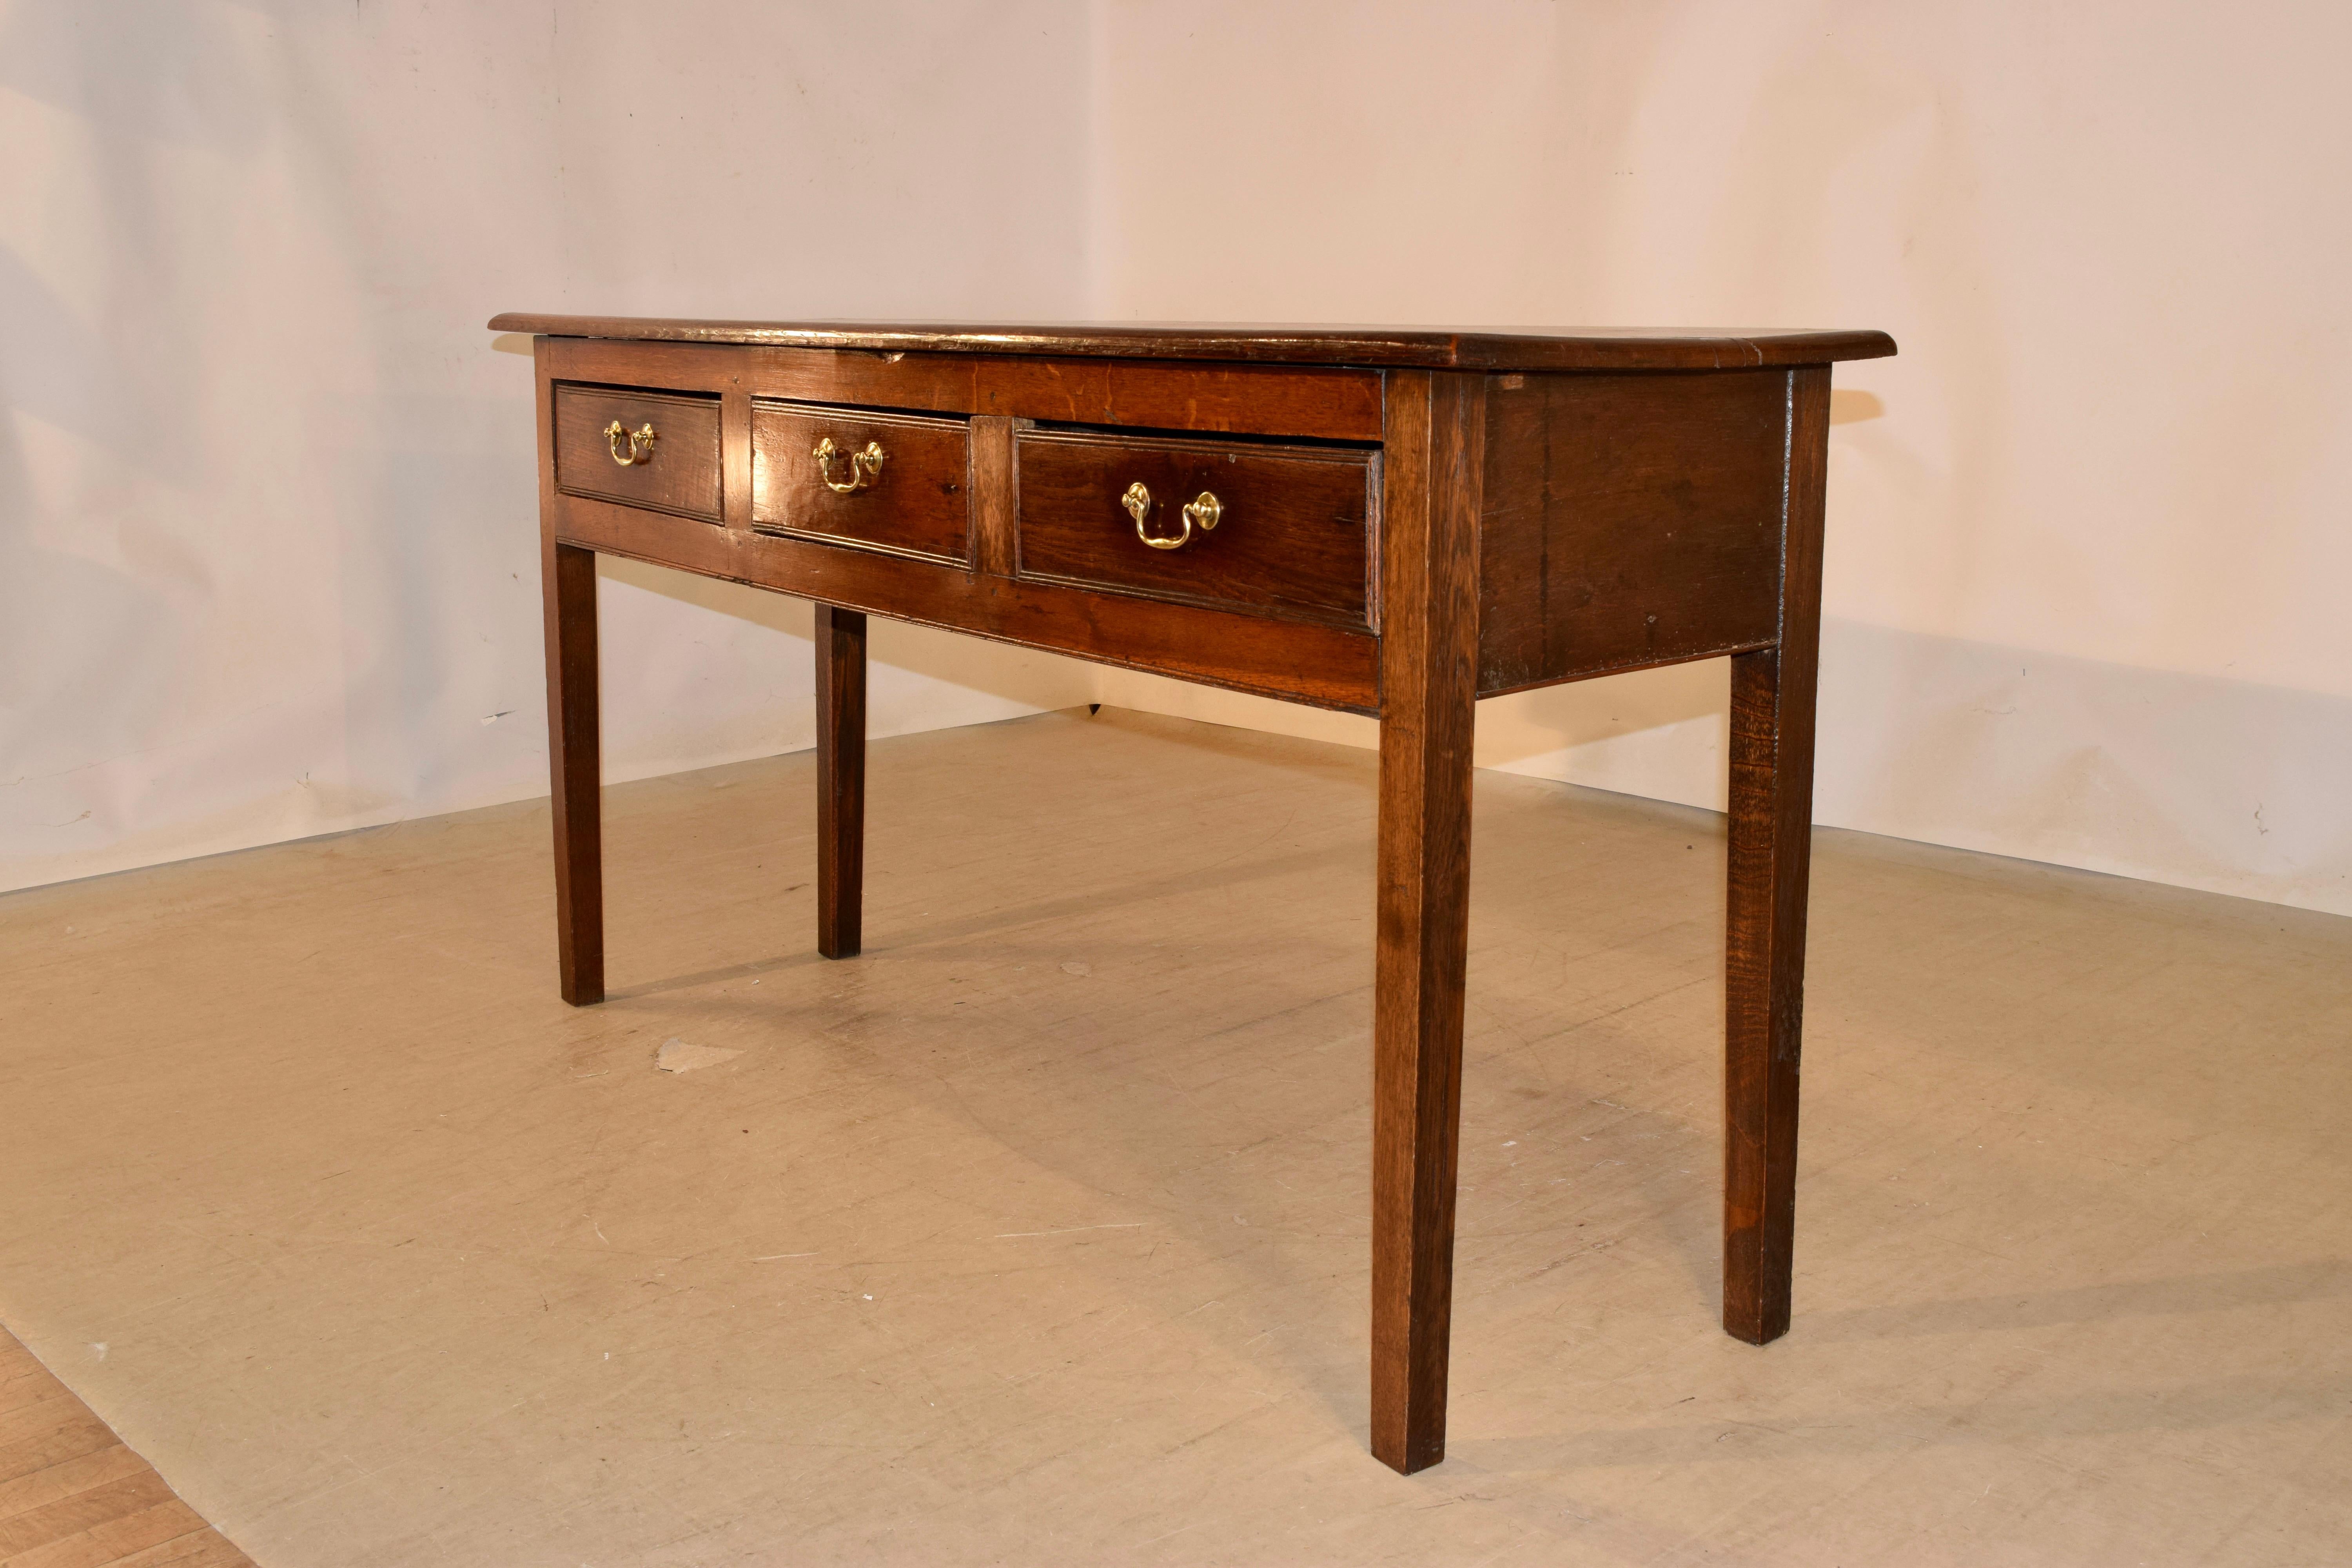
71, 1496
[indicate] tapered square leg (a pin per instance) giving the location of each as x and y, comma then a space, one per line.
568, 584
1772, 692
1429, 663
840, 779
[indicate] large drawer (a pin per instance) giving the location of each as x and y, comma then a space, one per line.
1276, 531
898, 482
653, 449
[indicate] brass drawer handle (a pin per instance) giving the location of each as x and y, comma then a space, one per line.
1202, 512
630, 448
864, 466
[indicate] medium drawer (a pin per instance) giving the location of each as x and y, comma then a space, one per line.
603, 449
896, 482
1273, 531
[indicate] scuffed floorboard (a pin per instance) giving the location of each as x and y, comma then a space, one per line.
71, 1496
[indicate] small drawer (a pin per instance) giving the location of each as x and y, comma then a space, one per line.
1271, 531
893, 482
653, 449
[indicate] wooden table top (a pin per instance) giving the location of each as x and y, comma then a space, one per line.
1484, 348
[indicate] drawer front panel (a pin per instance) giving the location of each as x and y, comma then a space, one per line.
1292, 530
677, 470
916, 499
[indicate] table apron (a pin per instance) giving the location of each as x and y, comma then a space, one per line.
1323, 667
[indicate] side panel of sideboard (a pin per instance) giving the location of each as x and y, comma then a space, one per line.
1630, 520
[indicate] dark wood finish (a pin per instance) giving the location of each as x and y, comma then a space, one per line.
1491, 511
574, 755
681, 475
1429, 670
840, 779
735, 456
992, 495
1258, 400
1769, 856
72, 1495
918, 504
1501, 348
1631, 521
1333, 404
567, 577
1290, 542
1320, 666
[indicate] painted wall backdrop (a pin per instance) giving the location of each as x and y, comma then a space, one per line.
267, 561
2090, 536
269, 553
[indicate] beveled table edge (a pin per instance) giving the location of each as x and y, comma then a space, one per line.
1494, 348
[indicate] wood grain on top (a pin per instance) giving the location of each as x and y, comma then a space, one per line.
1491, 348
